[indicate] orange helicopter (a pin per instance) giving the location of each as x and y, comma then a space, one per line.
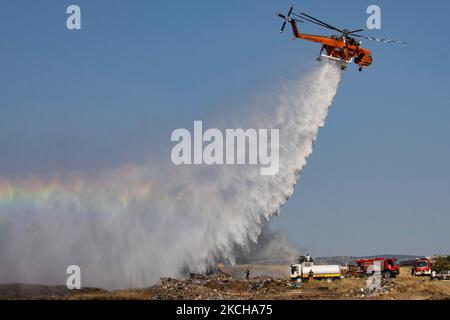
343, 48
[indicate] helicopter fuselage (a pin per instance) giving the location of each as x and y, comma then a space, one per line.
343, 49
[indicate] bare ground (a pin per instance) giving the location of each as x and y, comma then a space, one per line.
266, 282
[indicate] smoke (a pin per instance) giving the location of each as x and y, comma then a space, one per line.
272, 247
130, 226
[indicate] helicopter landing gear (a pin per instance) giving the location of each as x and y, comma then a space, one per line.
344, 68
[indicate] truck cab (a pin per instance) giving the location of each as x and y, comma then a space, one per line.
295, 271
422, 267
392, 266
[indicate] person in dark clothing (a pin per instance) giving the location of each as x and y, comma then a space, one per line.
247, 274
310, 275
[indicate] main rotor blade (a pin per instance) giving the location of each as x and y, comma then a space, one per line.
323, 23
378, 39
309, 20
290, 10
359, 30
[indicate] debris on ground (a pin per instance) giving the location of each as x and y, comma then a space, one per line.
231, 286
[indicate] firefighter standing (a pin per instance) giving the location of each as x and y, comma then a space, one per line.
310, 275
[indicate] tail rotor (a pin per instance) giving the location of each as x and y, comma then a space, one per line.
285, 18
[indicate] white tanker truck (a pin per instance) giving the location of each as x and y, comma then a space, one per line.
307, 269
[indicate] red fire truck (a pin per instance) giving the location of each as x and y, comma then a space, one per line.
422, 267
389, 267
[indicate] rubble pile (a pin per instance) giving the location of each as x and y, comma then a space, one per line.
217, 286
385, 288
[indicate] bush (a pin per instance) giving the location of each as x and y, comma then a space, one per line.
441, 264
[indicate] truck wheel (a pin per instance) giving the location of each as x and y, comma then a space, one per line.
387, 275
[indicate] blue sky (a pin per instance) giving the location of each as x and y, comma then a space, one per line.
379, 177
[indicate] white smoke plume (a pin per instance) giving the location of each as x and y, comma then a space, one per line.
129, 227
272, 248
